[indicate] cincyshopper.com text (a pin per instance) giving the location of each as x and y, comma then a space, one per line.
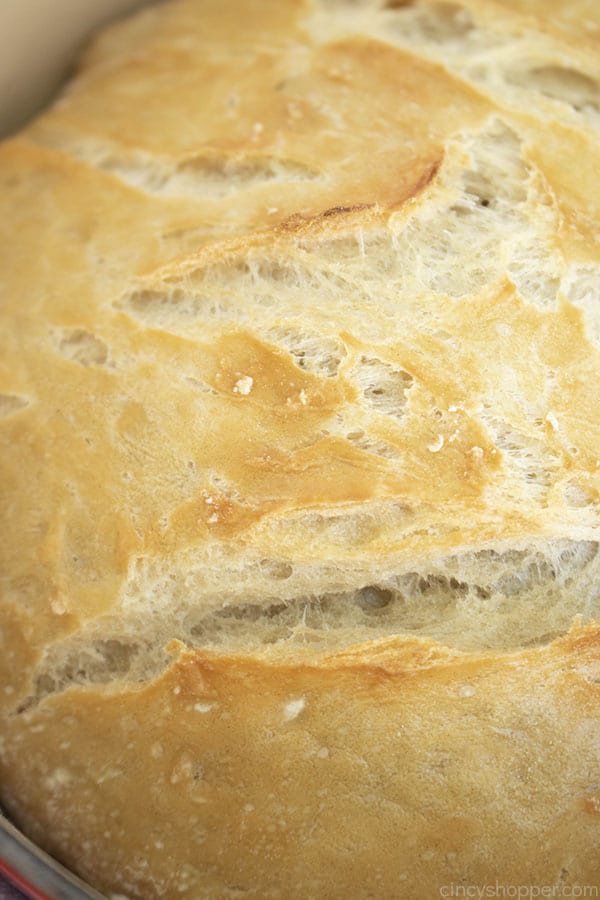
518, 891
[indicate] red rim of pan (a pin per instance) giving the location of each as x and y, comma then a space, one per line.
21, 883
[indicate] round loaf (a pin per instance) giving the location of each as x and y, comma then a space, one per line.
300, 452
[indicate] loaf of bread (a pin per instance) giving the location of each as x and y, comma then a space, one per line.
300, 452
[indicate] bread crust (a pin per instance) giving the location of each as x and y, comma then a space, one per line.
395, 766
299, 452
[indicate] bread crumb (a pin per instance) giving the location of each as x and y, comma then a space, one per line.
59, 605
186, 769
59, 778
293, 709
507, 732
436, 445
476, 453
361, 242
466, 690
177, 690
248, 807
303, 397
203, 707
243, 385
552, 421
212, 520
323, 753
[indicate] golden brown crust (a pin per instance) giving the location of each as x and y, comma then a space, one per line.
299, 379
388, 768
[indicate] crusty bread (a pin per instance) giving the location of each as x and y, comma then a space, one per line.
300, 452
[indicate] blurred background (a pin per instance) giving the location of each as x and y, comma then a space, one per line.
39, 40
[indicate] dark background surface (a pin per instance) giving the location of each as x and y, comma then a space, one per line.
7, 892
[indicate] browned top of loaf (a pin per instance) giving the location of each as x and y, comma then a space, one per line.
297, 297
